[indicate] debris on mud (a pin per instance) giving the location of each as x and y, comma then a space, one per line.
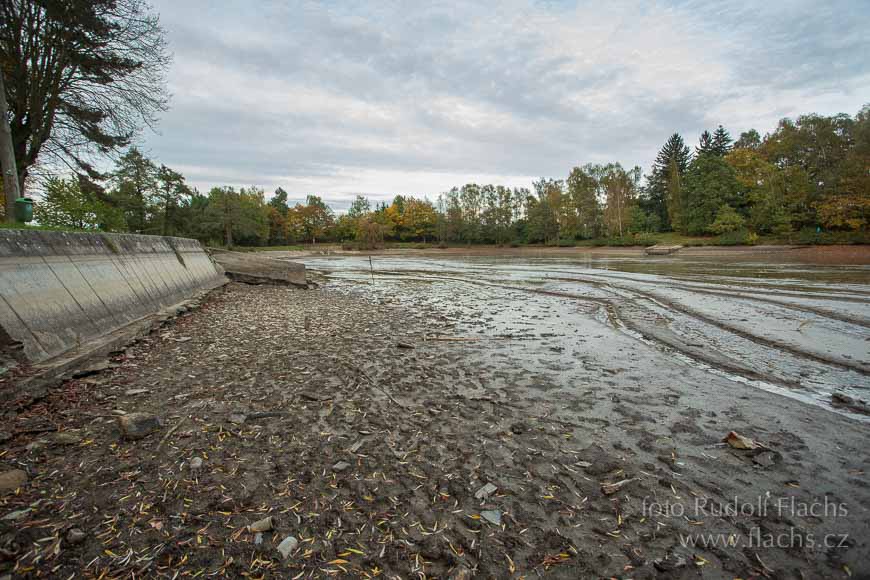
304, 445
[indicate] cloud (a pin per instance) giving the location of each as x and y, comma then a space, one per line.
398, 97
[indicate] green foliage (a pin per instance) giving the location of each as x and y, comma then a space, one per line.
710, 183
727, 220
65, 205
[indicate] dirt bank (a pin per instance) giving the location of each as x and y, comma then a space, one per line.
825, 255
373, 448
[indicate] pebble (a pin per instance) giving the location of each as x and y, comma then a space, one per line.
196, 464
133, 392
66, 438
485, 491
12, 480
258, 538
16, 515
75, 536
492, 516
138, 425
263, 525
238, 418
341, 466
288, 546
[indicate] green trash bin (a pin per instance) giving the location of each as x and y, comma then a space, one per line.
24, 209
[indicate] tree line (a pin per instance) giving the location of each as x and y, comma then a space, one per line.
80, 80
811, 173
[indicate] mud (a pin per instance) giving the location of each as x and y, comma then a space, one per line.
604, 445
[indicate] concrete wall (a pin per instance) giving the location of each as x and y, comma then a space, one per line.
58, 290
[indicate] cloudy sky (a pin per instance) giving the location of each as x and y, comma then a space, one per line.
381, 98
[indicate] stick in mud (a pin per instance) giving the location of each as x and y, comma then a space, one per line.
372, 268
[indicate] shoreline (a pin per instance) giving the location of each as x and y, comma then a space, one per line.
819, 254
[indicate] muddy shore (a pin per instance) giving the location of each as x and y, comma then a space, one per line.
833, 254
369, 433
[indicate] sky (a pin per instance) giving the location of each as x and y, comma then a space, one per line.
384, 98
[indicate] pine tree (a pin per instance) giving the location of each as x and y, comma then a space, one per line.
721, 142
705, 144
674, 154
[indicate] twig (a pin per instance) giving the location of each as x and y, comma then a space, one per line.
170, 432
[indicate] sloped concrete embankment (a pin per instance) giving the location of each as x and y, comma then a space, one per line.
60, 290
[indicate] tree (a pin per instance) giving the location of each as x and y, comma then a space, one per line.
171, 191
135, 188
238, 215
582, 191
748, 140
710, 183
620, 190
674, 156
359, 207
317, 218
65, 204
727, 220
279, 201
705, 144
721, 142
8, 168
81, 77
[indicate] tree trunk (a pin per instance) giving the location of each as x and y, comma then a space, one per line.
7, 157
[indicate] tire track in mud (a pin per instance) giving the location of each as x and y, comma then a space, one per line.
760, 340
616, 316
736, 294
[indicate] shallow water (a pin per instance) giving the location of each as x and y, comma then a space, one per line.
798, 330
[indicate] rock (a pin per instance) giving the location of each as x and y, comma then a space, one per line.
94, 368
263, 525
485, 491
65, 438
738, 441
258, 538
851, 403
287, 546
16, 515
12, 480
404, 345
341, 466
492, 516
133, 392
138, 425
238, 418
196, 463
461, 573
669, 563
75, 536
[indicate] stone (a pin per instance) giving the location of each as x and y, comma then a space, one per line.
287, 546
485, 491
136, 426
492, 516
341, 466
196, 463
12, 480
75, 536
16, 515
263, 525
133, 392
238, 418
258, 538
65, 438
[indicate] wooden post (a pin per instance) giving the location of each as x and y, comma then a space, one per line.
7, 157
